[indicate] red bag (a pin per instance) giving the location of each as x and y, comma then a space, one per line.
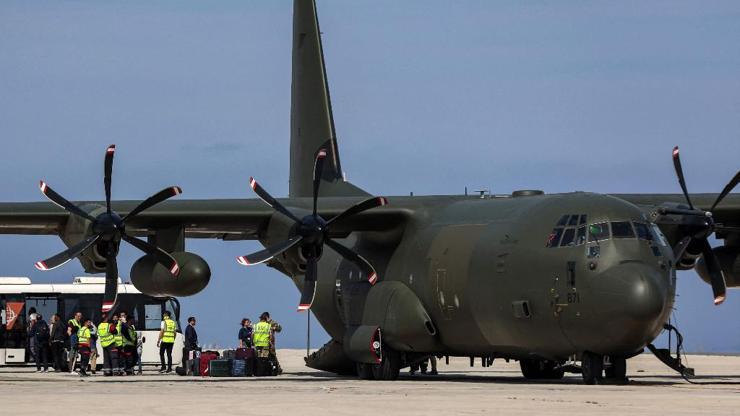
205, 359
244, 353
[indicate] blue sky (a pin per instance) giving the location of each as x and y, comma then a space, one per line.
429, 97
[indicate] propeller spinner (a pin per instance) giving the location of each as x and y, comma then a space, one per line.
311, 233
701, 226
109, 229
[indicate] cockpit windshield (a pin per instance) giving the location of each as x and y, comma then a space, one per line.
598, 232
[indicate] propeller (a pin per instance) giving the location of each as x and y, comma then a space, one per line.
700, 226
311, 233
109, 229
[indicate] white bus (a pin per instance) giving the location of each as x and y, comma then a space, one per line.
18, 295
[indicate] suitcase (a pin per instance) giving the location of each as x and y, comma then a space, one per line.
203, 363
228, 354
220, 368
244, 353
250, 365
265, 367
238, 368
180, 371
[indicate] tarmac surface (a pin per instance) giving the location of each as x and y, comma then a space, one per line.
458, 389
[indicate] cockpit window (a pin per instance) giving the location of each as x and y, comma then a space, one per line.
554, 238
567, 232
568, 238
598, 232
642, 231
622, 229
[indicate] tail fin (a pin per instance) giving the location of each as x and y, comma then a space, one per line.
311, 119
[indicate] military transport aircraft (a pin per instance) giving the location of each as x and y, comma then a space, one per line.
549, 280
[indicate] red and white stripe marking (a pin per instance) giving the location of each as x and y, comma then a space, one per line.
175, 269
304, 307
42, 186
41, 265
107, 306
675, 151
252, 183
243, 261
719, 299
111, 149
176, 190
373, 278
383, 201
322, 154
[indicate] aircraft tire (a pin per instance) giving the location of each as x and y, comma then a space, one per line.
540, 370
618, 369
592, 366
364, 371
389, 367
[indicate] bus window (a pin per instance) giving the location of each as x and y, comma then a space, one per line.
153, 316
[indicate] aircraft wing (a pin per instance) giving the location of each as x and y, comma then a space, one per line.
227, 219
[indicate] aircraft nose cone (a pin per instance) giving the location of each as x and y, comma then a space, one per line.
633, 301
636, 288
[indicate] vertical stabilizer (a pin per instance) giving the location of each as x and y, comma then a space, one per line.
311, 119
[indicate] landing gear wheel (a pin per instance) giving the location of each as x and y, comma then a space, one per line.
364, 371
618, 369
592, 366
540, 369
389, 367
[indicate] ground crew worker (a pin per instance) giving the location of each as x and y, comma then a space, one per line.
126, 345
274, 328
261, 336
129, 346
73, 326
105, 337
83, 346
167, 332
93, 348
117, 350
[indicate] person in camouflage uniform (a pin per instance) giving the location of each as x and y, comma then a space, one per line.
276, 328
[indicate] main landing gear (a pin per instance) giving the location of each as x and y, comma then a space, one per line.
541, 369
598, 369
388, 368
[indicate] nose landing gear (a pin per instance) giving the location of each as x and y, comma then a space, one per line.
599, 369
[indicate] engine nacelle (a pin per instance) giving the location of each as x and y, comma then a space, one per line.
153, 279
729, 261
78, 229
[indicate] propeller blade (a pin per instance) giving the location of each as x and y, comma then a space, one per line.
728, 188
268, 253
155, 199
318, 170
679, 173
108, 171
360, 261
680, 248
715, 273
63, 203
66, 255
309, 285
722, 228
111, 282
359, 207
269, 200
164, 258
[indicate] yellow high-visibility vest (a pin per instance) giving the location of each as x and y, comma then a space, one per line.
104, 335
83, 336
118, 338
170, 329
261, 334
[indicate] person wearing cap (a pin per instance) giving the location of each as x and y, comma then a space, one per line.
167, 332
